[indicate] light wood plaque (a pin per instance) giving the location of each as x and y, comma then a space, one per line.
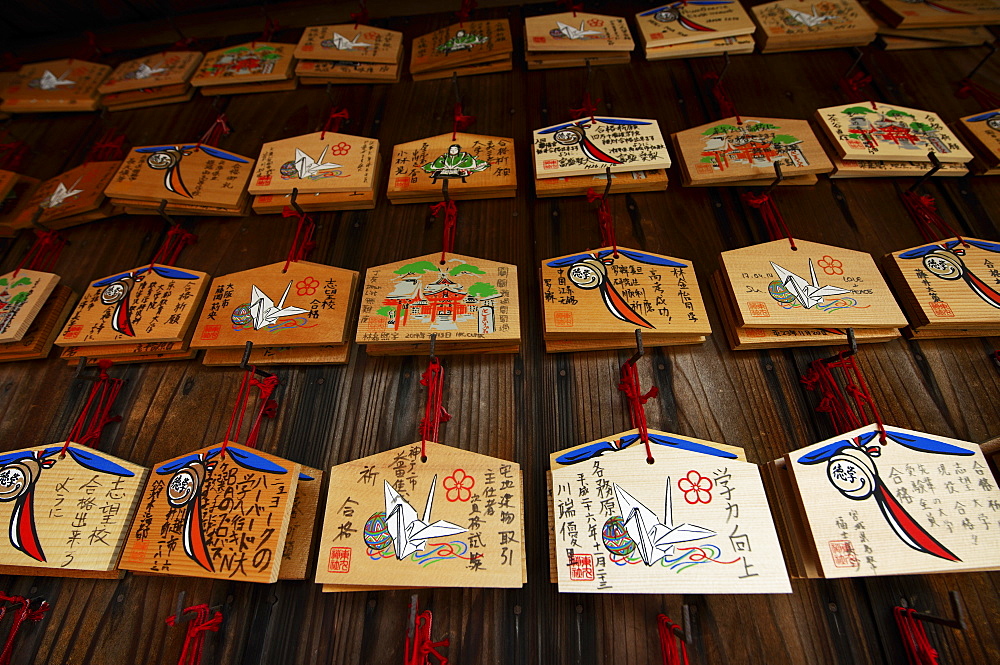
57, 85
740, 44
78, 191
321, 72
948, 13
252, 62
472, 164
458, 46
578, 31
169, 68
37, 342
984, 131
682, 23
323, 162
302, 526
22, 297
208, 515
630, 181
586, 146
814, 286
793, 22
350, 43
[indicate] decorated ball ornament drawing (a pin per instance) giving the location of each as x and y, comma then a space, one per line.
588, 274
853, 473
241, 315
376, 533
778, 291
340, 149
994, 122
288, 170
667, 15
164, 159
616, 538
831, 266
696, 488
185, 485
307, 286
458, 486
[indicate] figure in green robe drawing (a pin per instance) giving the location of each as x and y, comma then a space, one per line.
462, 41
455, 164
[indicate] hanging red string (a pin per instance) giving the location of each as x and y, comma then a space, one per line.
461, 121
184, 44
420, 647
220, 128
302, 243
587, 107
605, 220
268, 408
669, 641
722, 98
629, 385
175, 242
21, 614
849, 408
333, 121
194, 636
12, 154
434, 411
360, 16
854, 86
986, 98
91, 49
43, 253
110, 147
571, 6
774, 223
96, 413
450, 210
465, 11
918, 648
923, 212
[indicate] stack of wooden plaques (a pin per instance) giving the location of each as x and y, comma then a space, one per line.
33, 308
14, 188
329, 171
597, 300
294, 314
472, 165
945, 14
878, 132
982, 132
57, 85
74, 197
948, 289
469, 305
475, 47
576, 40
743, 151
121, 314
898, 39
695, 520
791, 25
350, 54
596, 146
695, 28
151, 81
773, 296
191, 178
621, 183
860, 506
247, 68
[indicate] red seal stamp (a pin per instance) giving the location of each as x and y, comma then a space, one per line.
211, 332
942, 309
581, 568
340, 560
843, 553
758, 308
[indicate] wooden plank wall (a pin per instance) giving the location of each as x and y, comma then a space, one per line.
525, 406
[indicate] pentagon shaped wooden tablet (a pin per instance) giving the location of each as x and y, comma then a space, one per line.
813, 286
631, 181
577, 32
57, 85
589, 145
185, 173
390, 516
472, 165
983, 131
349, 42
305, 305
874, 130
465, 300
23, 294
747, 148
611, 292
790, 25
696, 520
71, 195
323, 162
740, 44
950, 13
68, 511
162, 69
914, 503
209, 514
694, 21
460, 45
253, 62
146, 304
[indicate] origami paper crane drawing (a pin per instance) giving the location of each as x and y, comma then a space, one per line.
344, 44
654, 539
61, 193
569, 32
50, 81
265, 312
410, 533
808, 294
811, 20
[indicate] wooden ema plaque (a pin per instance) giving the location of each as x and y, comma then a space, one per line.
323, 162
140, 99
888, 132
302, 526
350, 43
68, 512
37, 342
916, 503
466, 301
253, 62
71, 198
791, 25
568, 32
170, 68
146, 304
948, 13
474, 166
694, 21
621, 183
813, 286
610, 293
22, 297
205, 514
57, 85
269, 204
14, 188
458, 46
745, 148
740, 44
585, 146
951, 284
694, 521
321, 72
893, 39
983, 132
307, 305
265, 356
185, 173
452, 521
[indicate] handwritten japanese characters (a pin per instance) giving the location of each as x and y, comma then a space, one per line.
350, 43
983, 133
694, 21
323, 162
589, 145
911, 503
694, 521
57, 85
68, 511
473, 165
788, 25
218, 513
462, 49
23, 293
453, 520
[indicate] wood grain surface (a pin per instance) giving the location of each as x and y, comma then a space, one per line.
520, 407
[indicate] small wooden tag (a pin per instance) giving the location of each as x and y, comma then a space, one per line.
790, 25
458, 46
682, 23
323, 162
302, 526
69, 196
474, 166
577, 32
349, 42
57, 85
170, 68
909, 14
252, 62
586, 146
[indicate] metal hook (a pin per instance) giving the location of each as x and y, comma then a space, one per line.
852, 344
294, 202
454, 84
993, 49
607, 186
778, 177
434, 339
934, 169
725, 68
857, 61
35, 217
640, 351
958, 623
245, 362
161, 210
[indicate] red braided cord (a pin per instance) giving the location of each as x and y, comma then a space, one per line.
461, 121
23, 613
434, 411
302, 243
774, 223
220, 128
629, 385
605, 220
194, 635
450, 209
421, 647
923, 212
175, 242
672, 655
96, 412
43, 253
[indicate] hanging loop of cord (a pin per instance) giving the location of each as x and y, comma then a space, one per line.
96, 412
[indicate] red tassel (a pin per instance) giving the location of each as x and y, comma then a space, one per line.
854, 86
96, 413
726, 105
434, 411
462, 122
587, 108
985, 97
175, 242
923, 212
220, 128
43, 253
302, 243
21, 614
849, 408
450, 224
333, 121
109, 148
194, 635
672, 654
918, 648
774, 223
421, 647
629, 385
